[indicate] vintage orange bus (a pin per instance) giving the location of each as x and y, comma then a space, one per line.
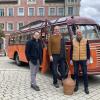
89, 28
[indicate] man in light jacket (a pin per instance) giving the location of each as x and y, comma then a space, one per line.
80, 55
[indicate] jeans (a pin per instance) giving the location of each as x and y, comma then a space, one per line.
34, 69
83, 65
57, 60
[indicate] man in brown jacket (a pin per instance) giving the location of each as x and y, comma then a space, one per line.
54, 48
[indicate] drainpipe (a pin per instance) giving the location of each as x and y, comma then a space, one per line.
64, 7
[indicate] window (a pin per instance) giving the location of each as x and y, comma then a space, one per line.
10, 27
31, 11
10, 12
70, 10
20, 11
1, 12
52, 11
60, 11
75, 0
72, 0
1, 25
64, 32
41, 11
31, 1
19, 25
23, 39
69, 1
89, 32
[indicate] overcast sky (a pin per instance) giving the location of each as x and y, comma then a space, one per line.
90, 8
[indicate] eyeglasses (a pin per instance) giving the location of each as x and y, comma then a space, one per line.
79, 32
56, 29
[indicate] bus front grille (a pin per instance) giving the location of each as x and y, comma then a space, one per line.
98, 55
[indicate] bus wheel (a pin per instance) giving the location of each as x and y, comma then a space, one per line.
18, 62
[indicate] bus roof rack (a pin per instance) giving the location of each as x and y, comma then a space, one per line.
58, 21
32, 23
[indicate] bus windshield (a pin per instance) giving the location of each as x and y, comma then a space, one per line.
89, 31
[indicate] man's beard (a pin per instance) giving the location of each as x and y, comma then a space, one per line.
79, 38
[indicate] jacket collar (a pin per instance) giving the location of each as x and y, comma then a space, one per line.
35, 39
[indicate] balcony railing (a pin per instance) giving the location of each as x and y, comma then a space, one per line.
8, 1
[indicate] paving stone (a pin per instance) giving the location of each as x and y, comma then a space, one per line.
15, 85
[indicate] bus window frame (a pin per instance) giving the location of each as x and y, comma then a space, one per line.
77, 26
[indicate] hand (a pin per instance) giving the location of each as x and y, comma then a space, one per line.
88, 62
71, 62
51, 58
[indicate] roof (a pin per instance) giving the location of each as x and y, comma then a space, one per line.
59, 21
34, 23
54, 1
74, 20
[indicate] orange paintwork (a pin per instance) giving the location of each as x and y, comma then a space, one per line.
90, 66
93, 55
20, 49
45, 63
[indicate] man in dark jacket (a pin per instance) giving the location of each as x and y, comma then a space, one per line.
33, 51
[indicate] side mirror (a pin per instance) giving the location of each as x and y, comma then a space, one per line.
98, 27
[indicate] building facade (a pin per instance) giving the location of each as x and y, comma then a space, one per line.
16, 13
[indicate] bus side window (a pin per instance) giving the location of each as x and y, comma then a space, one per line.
17, 39
44, 33
22, 40
13, 40
64, 32
20, 37
28, 37
25, 38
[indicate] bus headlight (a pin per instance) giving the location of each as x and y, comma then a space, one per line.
91, 60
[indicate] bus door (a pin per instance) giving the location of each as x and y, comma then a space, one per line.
45, 63
67, 39
21, 47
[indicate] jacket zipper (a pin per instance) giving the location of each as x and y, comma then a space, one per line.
79, 50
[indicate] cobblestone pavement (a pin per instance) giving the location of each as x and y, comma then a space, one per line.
15, 85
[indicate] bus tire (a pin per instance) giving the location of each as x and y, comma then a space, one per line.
18, 62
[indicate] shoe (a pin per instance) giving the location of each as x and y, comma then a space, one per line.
76, 89
56, 85
86, 90
62, 83
35, 87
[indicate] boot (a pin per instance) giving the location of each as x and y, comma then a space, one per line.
56, 85
86, 90
35, 87
76, 89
